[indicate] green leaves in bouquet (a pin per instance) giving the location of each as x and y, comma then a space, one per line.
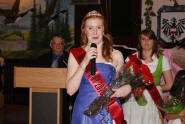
136, 80
141, 100
173, 105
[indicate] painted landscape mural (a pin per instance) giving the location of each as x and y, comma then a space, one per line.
26, 26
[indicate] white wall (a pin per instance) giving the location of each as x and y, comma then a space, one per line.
157, 4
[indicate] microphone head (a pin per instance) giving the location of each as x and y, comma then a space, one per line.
94, 45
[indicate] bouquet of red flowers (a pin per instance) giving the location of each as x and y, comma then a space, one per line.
143, 72
134, 73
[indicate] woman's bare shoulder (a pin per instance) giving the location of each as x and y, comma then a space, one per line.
117, 56
116, 53
118, 59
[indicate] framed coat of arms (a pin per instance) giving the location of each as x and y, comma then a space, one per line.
171, 26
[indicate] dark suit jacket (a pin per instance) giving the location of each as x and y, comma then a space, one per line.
46, 60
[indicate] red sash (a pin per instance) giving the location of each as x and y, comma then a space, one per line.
99, 86
154, 93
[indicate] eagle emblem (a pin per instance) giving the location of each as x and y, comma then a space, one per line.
171, 26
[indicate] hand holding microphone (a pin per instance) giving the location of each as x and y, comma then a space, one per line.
93, 61
90, 56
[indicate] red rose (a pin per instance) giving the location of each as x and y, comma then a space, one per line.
138, 91
133, 58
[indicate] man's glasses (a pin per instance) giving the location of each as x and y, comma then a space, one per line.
62, 43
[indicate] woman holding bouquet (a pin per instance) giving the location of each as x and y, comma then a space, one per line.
145, 110
108, 62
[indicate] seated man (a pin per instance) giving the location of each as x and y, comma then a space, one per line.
57, 57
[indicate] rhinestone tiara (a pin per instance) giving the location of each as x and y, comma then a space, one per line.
93, 13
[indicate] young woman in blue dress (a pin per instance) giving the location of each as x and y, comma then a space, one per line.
108, 62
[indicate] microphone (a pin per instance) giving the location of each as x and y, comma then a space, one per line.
93, 61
